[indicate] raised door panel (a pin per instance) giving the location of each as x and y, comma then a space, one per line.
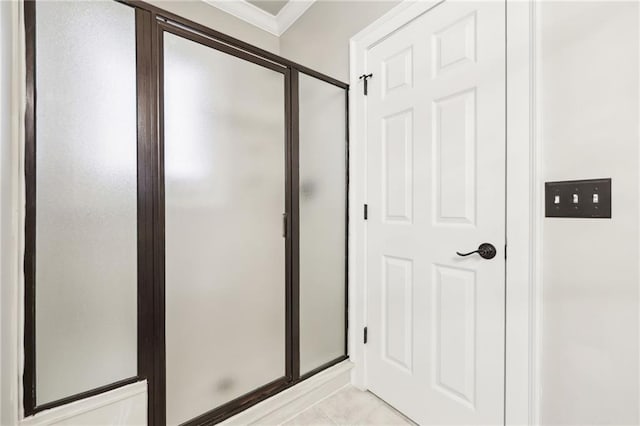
397, 155
397, 71
454, 44
397, 311
454, 333
454, 158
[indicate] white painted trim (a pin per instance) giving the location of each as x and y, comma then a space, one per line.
252, 14
524, 202
291, 402
290, 13
524, 216
74, 409
12, 237
537, 185
249, 13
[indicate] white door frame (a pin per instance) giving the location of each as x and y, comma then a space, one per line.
524, 202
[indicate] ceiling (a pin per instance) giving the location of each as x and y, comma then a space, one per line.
274, 16
269, 6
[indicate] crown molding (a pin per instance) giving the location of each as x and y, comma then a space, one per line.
290, 13
255, 16
247, 12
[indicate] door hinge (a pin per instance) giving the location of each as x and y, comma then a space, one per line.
505, 252
366, 211
366, 337
365, 77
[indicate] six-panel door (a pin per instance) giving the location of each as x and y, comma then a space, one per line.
435, 186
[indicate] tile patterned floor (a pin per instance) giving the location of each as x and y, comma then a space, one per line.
349, 406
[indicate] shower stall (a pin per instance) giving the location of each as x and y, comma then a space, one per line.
186, 216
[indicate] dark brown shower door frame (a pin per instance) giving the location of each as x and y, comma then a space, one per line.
151, 24
228, 409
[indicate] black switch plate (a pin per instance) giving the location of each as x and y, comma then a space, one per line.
578, 198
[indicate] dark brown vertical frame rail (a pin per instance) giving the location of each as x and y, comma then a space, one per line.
29, 377
159, 402
292, 231
346, 223
144, 222
150, 337
294, 119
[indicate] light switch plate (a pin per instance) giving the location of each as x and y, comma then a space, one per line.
578, 198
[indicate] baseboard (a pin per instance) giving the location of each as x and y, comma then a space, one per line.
126, 405
285, 405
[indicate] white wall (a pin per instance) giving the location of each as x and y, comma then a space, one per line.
588, 84
320, 38
9, 260
5, 32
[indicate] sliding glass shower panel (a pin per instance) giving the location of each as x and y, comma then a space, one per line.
224, 158
86, 195
322, 222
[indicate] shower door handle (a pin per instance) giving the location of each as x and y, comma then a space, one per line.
284, 225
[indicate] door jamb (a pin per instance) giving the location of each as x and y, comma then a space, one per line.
523, 206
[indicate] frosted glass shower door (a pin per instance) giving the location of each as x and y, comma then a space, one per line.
323, 193
225, 284
85, 203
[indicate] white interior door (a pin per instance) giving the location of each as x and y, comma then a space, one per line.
436, 186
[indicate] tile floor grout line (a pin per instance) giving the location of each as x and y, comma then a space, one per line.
372, 410
316, 403
356, 421
395, 410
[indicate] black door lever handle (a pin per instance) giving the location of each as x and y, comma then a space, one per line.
486, 251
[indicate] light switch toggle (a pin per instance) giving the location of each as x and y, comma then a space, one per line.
595, 199
556, 199
574, 198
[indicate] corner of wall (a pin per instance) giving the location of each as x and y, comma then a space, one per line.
11, 112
